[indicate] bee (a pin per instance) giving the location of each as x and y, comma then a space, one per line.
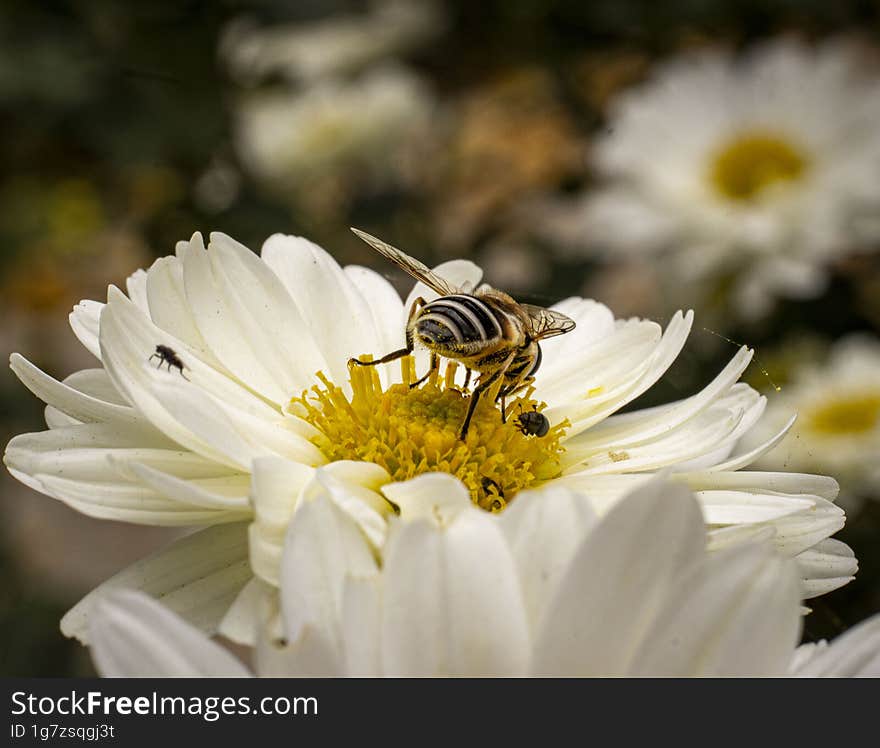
485, 329
533, 423
168, 356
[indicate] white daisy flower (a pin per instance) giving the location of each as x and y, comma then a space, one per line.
764, 167
287, 138
255, 366
337, 45
547, 588
838, 427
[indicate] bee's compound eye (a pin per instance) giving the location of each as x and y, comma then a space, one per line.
432, 332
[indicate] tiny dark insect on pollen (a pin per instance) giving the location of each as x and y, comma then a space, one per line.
168, 356
533, 423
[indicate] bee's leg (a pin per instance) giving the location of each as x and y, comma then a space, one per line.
394, 355
481, 387
467, 378
435, 364
503, 409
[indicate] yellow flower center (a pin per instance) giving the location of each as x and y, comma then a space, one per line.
743, 168
847, 415
410, 431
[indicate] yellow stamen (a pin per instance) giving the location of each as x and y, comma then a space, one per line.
413, 431
847, 415
745, 167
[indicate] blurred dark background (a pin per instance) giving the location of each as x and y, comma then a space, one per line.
127, 126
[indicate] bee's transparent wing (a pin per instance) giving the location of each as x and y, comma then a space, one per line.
546, 323
416, 269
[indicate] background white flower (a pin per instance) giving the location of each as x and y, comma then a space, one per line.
838, 426
764, 167
546, 588
130, 442
339, 45
290, 138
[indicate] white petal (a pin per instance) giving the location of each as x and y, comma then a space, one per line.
854, 654
133, 636
248, 320
641, 426
386, 309
225, 493
241, 622
196, 577
364, 505
97, 384
437, 497
733, 507
136, 285
452, 604
740, 461
333, 312
798, 532
598, 381
140, 339
593, 321
615, 371
736, 535
236, 435
544, 528
323, 547
704, 438
826, 566
67, 399
311, 655
169, 308
763, 482
736, 614
125, 359
85, 323
362, 626
618, 581
123, 502
89, 466
276, 486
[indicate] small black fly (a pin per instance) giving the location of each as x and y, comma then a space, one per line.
168, 356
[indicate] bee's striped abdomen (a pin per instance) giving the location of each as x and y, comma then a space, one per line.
526, 364
457, 319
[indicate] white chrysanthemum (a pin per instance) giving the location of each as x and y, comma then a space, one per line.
337, 45
288, 137
131, 442
764, 166
838, 427
546, 588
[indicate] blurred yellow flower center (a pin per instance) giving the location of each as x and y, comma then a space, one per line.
326, 135
847, 415
413, 431
743, 168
